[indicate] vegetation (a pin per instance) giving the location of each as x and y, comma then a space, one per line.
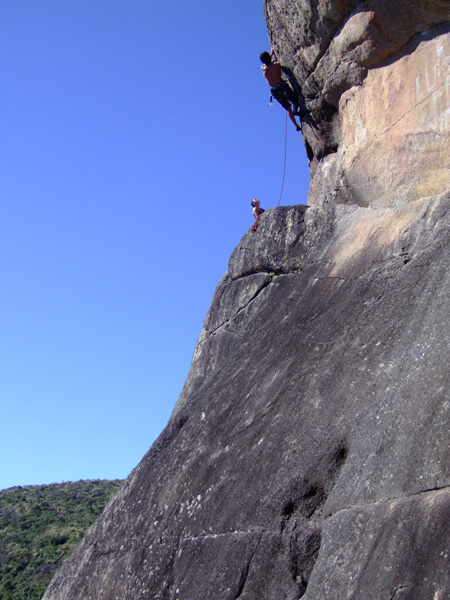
39, 528
288, 265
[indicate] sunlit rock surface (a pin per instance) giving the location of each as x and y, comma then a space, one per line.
395, 140
331, 47
308, 454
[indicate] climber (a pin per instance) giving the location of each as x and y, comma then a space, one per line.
279, 88
257, 212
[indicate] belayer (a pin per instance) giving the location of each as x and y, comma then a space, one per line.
279, 88
257, 212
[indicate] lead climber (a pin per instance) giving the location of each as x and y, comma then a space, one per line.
257, 212
280, 89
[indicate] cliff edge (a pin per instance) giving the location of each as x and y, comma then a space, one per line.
308, 455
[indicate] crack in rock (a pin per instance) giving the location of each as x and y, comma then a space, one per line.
387, 500
225, 323
398, 589
410, 110
239, 335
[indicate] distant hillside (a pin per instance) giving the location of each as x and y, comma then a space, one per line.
39, 528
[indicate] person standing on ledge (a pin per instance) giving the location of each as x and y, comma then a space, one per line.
257, 212
279, 88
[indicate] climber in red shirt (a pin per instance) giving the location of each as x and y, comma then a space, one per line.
279, 88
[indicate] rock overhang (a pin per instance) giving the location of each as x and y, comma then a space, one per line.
370, 133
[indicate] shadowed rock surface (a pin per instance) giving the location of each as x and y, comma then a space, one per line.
308, 454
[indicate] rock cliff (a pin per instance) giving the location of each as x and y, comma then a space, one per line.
308, 454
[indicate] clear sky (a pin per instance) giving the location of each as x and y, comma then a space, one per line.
134, 134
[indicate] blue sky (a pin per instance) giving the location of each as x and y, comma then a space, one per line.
134, 135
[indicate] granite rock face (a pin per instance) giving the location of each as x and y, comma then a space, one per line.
374, 83
308, 455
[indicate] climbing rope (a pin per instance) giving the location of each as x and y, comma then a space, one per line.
284, 168
258, 218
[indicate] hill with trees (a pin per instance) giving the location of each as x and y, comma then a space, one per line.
40, 526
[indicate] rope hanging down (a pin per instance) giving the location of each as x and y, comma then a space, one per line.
284, 168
